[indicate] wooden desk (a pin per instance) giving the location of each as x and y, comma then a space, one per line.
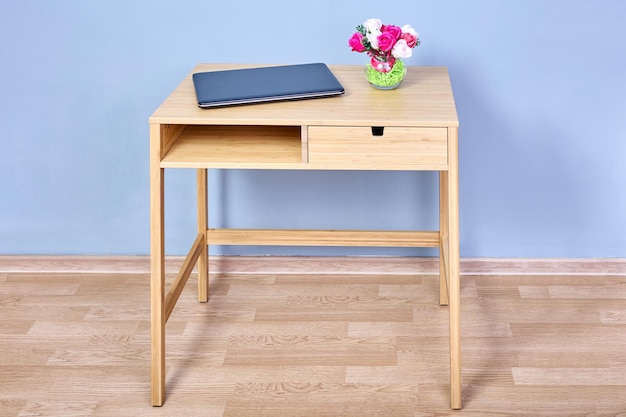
340, 133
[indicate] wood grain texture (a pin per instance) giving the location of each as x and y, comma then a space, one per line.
202, 192
354, 342
425, 98
299, 237
235, 146
157, 260
414, 128
406, 146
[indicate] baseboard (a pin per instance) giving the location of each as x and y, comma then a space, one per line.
316, 265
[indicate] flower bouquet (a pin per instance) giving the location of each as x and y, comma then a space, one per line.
386, 45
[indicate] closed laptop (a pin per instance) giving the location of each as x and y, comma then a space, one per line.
263, 84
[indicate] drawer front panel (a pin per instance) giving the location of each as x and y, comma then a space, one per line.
410, 146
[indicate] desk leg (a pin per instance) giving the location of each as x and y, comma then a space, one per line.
451, 183
203, 259
444, 219
157, 267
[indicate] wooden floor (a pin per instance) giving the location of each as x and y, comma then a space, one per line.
314, 344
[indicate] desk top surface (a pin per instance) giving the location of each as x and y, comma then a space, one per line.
425, 98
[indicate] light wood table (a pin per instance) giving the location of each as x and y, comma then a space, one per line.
412, 128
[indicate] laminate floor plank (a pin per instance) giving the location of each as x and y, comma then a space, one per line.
314, 344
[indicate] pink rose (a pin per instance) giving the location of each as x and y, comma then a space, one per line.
395, 31
410, 39
401, 50
386, 41
356, 43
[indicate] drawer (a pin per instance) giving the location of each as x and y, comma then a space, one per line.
389, 146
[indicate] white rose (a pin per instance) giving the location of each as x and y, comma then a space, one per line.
401, 49
409, 29
372, 37
373, 25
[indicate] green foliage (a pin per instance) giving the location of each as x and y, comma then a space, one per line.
365, 42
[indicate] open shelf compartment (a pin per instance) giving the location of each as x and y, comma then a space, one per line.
222, 146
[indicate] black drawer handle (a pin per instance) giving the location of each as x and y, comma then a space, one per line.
378, 130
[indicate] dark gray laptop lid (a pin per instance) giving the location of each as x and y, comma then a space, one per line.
262, 84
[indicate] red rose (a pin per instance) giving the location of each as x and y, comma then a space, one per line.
356, 43
411, 40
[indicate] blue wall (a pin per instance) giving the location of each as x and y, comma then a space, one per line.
540, 89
